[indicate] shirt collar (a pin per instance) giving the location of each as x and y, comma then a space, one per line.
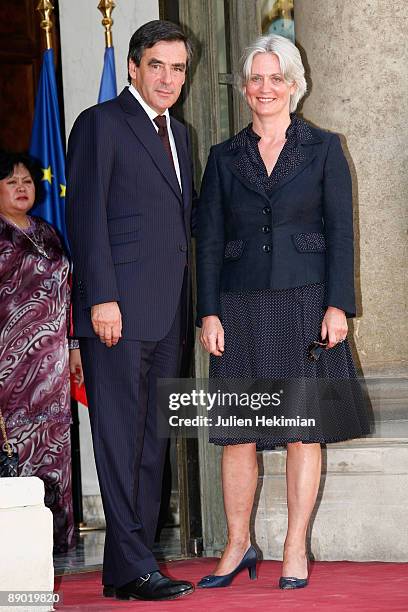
151, 113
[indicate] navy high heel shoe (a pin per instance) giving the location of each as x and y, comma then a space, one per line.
290, 582
248, 561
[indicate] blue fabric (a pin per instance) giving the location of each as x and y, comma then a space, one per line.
107, 89
46, 146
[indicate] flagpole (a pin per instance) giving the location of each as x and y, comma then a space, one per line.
106, 7
46, 145
107, 89
45, 8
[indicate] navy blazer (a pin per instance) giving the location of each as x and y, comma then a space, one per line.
128, 221
301, 234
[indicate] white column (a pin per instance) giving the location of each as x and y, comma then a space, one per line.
356, 56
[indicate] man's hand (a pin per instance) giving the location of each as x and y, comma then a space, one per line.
334, 326
107, 322
212, 335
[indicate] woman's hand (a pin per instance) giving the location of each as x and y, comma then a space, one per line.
75, 366
334, 326
212, 335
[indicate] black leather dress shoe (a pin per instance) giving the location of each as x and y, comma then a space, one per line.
109, 590
154, 587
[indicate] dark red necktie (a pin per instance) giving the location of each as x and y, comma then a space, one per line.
161, 123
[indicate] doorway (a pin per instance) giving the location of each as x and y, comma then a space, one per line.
220, 30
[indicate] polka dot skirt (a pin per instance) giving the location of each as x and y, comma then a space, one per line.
267, 336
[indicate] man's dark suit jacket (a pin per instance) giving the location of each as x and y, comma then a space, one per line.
301, 234
128, 221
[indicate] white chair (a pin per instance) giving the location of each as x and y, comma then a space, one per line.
26, 540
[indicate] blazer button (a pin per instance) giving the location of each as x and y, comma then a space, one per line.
266, 248
266, 210
266, 229
183, 248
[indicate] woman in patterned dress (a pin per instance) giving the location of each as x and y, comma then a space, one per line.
34, 362
274, 275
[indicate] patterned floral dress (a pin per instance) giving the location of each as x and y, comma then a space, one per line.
34, 370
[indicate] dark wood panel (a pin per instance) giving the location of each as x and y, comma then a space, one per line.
22, 43
17, 24
16, 105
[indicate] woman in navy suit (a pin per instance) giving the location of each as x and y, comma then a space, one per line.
275, 288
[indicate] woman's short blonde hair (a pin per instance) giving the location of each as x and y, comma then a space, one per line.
289, 60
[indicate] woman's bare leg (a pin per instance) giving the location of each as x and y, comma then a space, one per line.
239, 480
303, 470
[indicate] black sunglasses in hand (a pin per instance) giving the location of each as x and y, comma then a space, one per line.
316, 348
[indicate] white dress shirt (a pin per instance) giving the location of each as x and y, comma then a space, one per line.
152, 114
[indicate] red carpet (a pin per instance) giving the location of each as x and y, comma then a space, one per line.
334, 587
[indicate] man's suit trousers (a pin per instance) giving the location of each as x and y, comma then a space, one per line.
121, 388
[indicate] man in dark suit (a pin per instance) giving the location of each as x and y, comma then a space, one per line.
129, 200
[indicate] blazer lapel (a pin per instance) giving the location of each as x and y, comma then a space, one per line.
144, 131
233, 163
297, 156
307, 158
292, 161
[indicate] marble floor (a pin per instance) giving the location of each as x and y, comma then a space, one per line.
88, 554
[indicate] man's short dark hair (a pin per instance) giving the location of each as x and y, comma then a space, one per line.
153, 32
9, 160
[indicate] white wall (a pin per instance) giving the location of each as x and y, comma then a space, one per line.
82, 50
83, 46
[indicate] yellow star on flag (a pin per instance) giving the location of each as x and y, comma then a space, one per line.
47, 176
63, 190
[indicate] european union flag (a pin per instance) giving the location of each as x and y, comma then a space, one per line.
46, 146
107, 89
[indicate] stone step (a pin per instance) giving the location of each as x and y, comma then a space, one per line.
362, 502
